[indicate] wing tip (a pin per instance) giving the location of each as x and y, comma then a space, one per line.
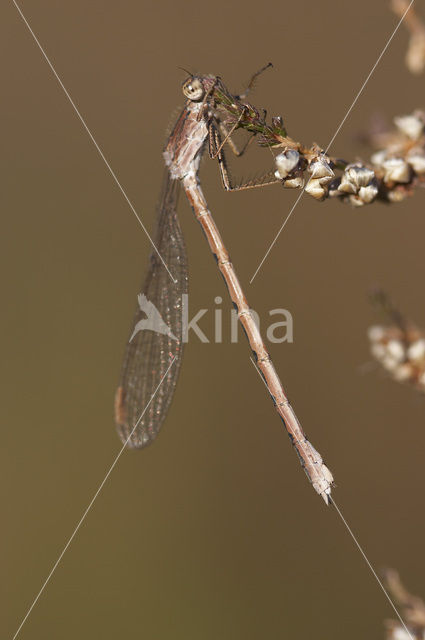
131, 437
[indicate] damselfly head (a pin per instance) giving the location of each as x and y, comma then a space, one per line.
193, 89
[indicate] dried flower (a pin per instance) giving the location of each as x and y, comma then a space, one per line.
396, 170
369, 193
412, 610
321, 176
290, 169
397, 164
378, 158
286, 162
396, 195
416, 159
412, 126
390, 364
395, 349
320, 169
315, 189
403, 372
295, 183
359, 183
375, 333
401, 352
399, 633
400, 162
354, 177
416, 350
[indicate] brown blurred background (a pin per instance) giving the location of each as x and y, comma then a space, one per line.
213, 532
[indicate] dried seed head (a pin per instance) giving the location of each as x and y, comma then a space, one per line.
286, 162
294, 183
416, 350
354, 177
401, 352
320, 169
375, 333
378, 351
416, 159
368, 194
316, 189
389, 363
378, 158
412, 126
398, 633
396, 195
396, 170
395, 349
359, 182
359, 175
403, 372
355, 200
321, 176
346, 185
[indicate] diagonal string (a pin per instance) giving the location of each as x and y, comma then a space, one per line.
375, 575
92, 501
369, 75
360, 548
92, 138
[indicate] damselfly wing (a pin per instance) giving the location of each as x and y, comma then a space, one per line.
154, 351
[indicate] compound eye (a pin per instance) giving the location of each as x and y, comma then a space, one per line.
193, 89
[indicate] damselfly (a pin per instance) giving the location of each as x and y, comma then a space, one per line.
152, 359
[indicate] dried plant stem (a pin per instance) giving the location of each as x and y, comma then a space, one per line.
413, 608
415, 56
392, 174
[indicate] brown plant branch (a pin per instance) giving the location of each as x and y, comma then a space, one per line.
415, 55
413, 609
399, 346
392, 174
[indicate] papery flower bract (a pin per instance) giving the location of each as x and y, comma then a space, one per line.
286, 162
316, 189
416, 159
396, 170
321, 176
410, 125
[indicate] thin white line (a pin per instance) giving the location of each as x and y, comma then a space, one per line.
332, 501
335, 134
278, 233
387, 595
369, 75
89, 506
259, 372
83, 122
